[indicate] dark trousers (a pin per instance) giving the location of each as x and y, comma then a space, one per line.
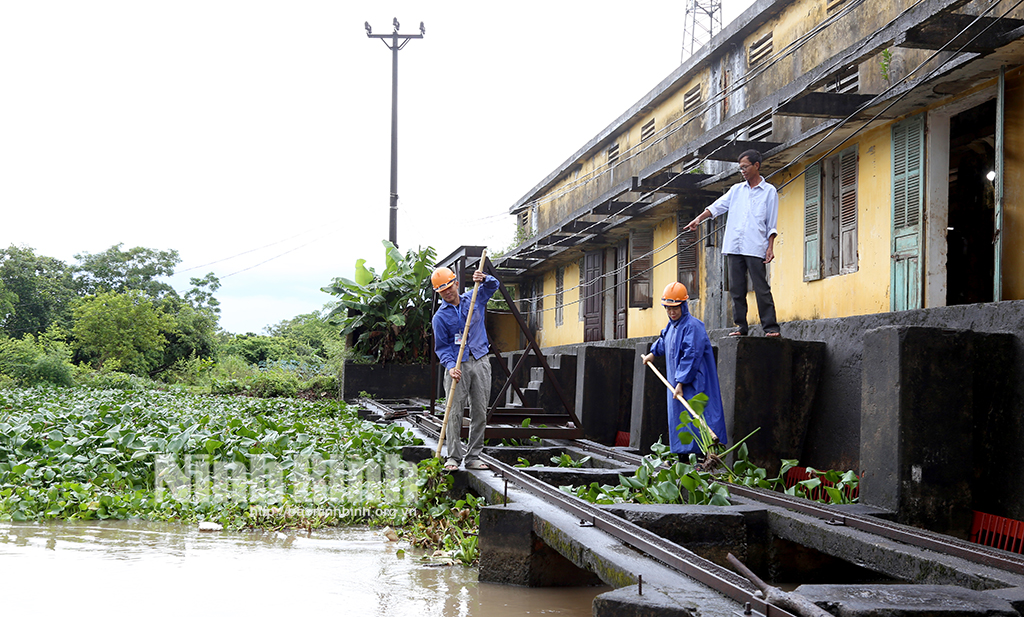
739, 267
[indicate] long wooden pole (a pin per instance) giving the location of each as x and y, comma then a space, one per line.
682, 400
458, 361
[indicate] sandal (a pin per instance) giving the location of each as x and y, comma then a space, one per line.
737, 333
451, 465
773, 334
476, 465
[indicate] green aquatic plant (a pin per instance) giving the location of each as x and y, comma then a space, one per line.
75, 453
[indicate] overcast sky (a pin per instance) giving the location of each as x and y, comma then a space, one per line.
254, 136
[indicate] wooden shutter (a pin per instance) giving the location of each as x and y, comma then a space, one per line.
907, 203
559, 294
641, 243
582, 290
686, 257
592, 290
812, 222
848, 210
908, 158
621, 289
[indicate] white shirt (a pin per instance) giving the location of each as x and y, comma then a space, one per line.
753, 214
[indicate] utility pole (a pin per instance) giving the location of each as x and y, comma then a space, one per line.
395, 43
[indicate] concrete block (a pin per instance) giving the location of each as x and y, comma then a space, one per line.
604, 384
709, 531
908, 600
1013, 595
917, 426
648, 415
769, 384
512, 554
652, 602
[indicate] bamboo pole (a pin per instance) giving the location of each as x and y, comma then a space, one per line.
801, 605
697, 418
458, 361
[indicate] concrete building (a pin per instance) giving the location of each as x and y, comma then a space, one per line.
894, 132
894, 141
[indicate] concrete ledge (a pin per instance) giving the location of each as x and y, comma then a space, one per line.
910, 600
654, 602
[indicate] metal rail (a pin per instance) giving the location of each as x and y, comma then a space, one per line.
711, 574
920, 538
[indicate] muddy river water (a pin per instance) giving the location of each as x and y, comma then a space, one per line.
165, 569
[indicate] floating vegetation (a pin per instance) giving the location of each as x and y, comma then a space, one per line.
98, 454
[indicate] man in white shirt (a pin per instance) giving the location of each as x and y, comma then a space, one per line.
749, 243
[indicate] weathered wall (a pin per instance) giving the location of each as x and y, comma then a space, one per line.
858, 293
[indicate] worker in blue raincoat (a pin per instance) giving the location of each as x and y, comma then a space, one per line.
690, 368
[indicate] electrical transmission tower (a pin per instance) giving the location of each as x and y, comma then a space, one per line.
703, 20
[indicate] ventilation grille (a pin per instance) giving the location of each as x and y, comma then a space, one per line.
692, 98
647, 131
760, 50
846, 82
613, 154
761, 130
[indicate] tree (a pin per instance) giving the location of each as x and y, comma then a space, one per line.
120, 271
201, 294
387, 315
122, 329
308, 334
39, 292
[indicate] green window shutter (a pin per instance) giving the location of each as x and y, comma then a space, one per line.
812, 222
908, 162
848, 210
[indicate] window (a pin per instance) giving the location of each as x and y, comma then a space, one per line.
641, 244
830, 216
647, 131
692, 99
686, 257
760, 50
559, 295
613, 154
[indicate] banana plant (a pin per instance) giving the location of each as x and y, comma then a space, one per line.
387, 315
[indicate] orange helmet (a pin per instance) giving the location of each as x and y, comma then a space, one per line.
442, 279
674, 294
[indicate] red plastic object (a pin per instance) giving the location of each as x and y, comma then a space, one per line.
622, 439
998, 532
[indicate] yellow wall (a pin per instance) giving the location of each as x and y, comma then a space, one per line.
571, 330
858, 293
1013, 189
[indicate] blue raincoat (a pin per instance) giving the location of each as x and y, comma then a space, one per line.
690, 360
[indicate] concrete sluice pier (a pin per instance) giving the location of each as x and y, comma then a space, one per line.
846, 571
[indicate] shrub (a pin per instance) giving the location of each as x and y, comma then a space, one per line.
111, 380
29, 361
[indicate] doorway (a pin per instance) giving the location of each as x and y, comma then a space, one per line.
971, 220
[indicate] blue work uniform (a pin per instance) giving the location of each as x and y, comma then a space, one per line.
690, 360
